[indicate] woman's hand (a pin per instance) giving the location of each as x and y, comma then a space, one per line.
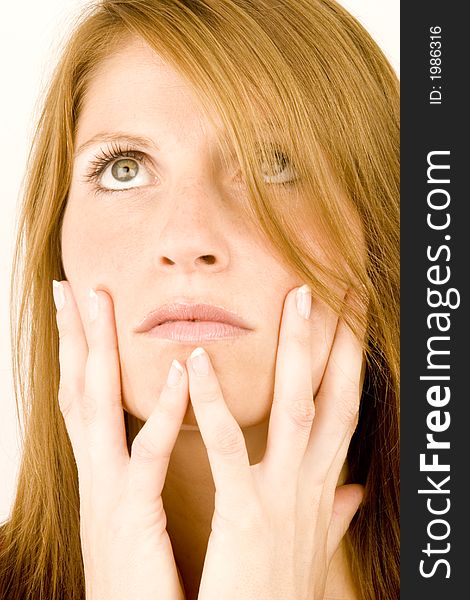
277, 524
126, 549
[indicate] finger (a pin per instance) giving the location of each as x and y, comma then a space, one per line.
339, 461
221, 433
323, 323
337, 402
292, 411
322, 496
73, 352
152, 446
101, 405
347, 501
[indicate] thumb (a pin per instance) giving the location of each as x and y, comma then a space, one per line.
345, 505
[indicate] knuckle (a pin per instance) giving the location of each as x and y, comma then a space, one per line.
302, 412
145, 449
115, 400
208, 397
88, 409
227, 440
302, 338
65, 398
166, 408
348, 408
65, 331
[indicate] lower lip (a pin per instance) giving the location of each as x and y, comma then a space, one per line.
196, 331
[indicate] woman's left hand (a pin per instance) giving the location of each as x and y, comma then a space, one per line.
277, 524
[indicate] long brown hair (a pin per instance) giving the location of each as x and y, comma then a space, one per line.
300, 74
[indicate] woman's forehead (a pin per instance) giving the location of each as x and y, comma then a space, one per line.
136, 75
134, 91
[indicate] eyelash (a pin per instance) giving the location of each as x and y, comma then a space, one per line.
103, 160
116, 151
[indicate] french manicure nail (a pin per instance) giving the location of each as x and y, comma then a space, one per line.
92, 304
304, 301
200, 361
59, 294
174, 374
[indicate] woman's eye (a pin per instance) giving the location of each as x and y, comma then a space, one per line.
124, 173
117, 169
278, 169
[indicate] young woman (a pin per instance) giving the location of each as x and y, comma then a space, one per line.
211, 407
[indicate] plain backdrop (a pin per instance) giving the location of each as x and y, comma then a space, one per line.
30, 35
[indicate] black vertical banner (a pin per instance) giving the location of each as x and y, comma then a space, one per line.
435, 270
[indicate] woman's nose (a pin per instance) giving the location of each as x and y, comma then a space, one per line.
193, 236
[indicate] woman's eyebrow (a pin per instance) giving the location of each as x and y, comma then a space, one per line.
117, 136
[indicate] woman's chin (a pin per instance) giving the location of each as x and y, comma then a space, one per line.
245, 418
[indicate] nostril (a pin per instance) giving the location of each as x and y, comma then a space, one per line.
208, 259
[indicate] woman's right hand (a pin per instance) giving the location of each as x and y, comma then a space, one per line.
126, 549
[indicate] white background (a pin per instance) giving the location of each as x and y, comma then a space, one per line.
30, 35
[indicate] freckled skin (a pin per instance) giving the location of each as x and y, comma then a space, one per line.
145, 246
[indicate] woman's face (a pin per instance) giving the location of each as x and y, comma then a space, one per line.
179, 235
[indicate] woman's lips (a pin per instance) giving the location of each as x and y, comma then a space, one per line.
193, 322
196, 331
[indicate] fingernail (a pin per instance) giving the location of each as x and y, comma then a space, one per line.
304, 301
174, 374
92, 305
200, 361
59, 294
